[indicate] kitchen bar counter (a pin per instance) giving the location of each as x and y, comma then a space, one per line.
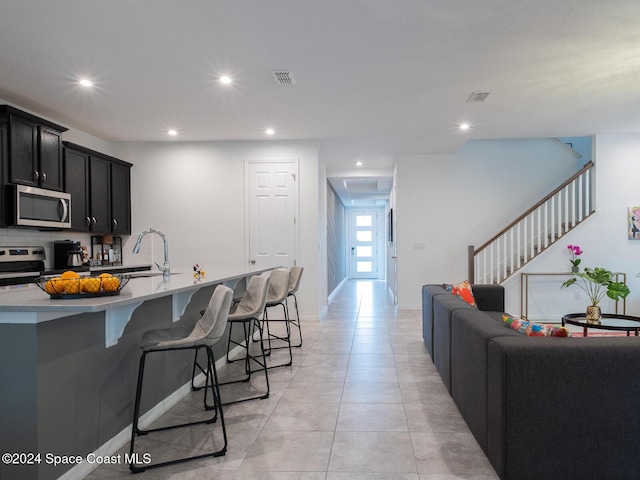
68, 367
28, 304
143, 286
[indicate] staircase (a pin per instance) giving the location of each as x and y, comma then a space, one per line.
535, 230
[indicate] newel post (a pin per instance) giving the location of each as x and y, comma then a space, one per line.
470, 263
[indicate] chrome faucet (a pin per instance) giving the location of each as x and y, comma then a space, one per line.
165, 268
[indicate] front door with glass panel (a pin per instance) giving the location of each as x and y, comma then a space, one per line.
363, 244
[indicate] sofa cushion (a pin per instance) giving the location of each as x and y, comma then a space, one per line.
428, 293
443, 307
471, 331
543, 424
489, 297
462, 290
495, 316
535, 329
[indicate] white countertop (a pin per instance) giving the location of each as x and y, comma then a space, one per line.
30, 298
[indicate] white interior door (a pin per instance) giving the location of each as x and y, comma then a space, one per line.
364, 244
272, 210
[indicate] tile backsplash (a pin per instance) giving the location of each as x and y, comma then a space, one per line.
22, 237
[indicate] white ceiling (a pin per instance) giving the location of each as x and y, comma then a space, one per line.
374, 78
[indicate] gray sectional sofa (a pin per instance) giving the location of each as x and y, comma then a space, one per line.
539, 407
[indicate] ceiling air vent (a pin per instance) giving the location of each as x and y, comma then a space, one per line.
283, 77
477, 97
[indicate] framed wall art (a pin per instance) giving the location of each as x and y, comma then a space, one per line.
633, 223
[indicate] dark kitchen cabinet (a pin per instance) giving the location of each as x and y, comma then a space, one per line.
34, 150
4, 143
120, 198
100, 194
76, 181
100, 188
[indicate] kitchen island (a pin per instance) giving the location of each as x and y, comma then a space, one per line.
68, 367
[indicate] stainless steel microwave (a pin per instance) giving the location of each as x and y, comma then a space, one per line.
37, 207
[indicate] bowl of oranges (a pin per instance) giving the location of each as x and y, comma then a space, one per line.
70, 284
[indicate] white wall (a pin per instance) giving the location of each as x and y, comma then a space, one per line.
323, 271
447, 202
194, 193
603, 238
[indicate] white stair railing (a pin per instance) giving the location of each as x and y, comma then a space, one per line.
535, 230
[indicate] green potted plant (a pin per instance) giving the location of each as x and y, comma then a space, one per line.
596, 283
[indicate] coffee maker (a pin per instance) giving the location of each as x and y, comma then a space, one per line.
67, 254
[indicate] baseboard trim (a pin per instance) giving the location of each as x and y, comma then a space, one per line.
336, 290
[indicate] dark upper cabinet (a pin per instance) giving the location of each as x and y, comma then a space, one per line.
100, 194
76, 181
34, 150
50, 155
23, 147
120, 198
100, 188
4, 143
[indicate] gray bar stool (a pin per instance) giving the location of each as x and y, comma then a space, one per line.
204, 334
278, 291
247, 312
294, 284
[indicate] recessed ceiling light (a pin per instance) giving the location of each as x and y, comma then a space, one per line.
359, 163
269, 131
464, 126
173, 133
86, 83
226, 80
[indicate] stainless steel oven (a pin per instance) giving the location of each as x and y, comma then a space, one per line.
21, 265
37, 207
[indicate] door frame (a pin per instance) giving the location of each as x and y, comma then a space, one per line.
381, 239
247, 203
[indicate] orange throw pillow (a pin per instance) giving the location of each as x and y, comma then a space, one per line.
464, 291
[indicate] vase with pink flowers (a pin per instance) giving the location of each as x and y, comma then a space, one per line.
574, 251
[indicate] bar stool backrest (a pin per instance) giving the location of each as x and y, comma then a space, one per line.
214, 320
255, 298
278, 285
294, 280
206, 331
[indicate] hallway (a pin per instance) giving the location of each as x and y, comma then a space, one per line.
362, 401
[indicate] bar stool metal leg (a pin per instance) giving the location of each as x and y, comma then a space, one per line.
294, 285
296, 322
286, 338
210, 384
249, 326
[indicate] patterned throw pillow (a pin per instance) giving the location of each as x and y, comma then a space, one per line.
535, 329
462, 290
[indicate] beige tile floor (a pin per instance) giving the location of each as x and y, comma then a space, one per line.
362, 401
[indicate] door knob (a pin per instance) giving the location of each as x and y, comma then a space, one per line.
253, 261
